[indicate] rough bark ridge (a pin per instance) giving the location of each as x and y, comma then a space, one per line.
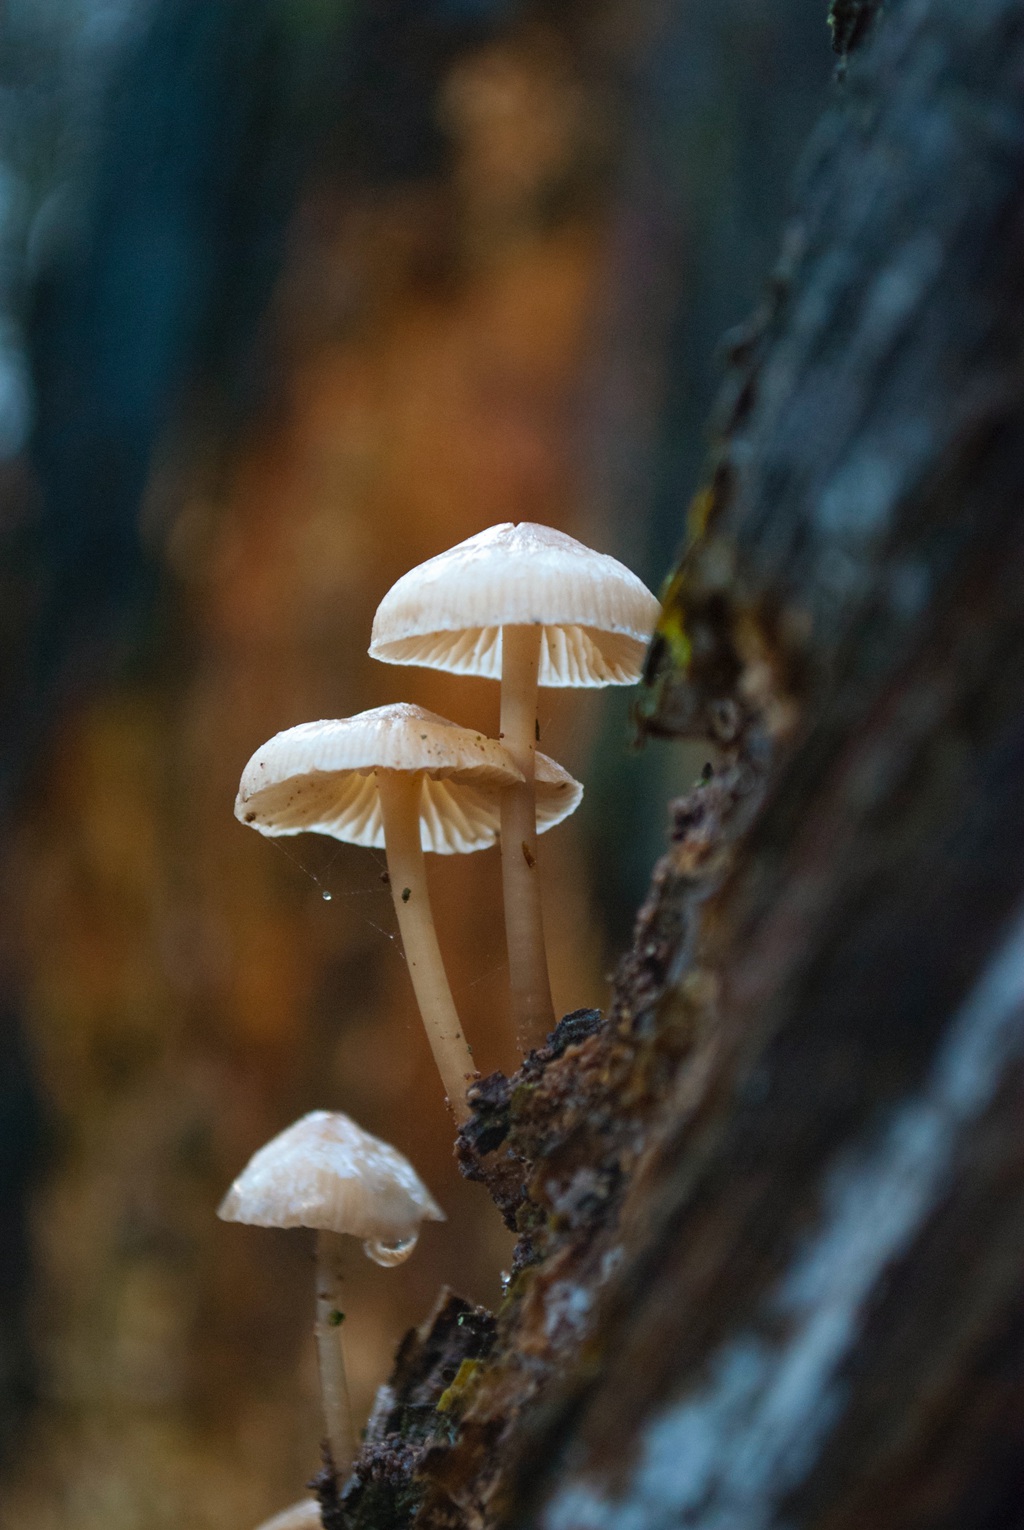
772, 1208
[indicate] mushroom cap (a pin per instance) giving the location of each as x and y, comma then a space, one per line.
304, 1515
319, 777
326, 1172
448, 613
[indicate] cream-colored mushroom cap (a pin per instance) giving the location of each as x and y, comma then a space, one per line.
304, 1515
448, 613
326, 1172
319, 777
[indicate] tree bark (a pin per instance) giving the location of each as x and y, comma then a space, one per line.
772, 1206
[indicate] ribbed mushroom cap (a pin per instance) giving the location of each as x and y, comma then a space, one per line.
326, 1172
319, 777
448, 613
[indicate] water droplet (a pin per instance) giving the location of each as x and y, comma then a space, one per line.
506, 1281
389, 1254
326, 897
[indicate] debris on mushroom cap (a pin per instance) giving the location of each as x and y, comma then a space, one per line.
319, 777
326, 1172
448, 613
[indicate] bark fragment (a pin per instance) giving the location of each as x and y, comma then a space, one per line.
414, 1417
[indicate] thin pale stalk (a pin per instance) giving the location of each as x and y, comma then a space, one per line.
341, 1435
400, 809
532, 1009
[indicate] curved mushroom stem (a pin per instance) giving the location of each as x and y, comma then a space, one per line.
400, 810
532, 1007
341, 1435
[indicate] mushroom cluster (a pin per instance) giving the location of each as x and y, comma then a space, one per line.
530, 607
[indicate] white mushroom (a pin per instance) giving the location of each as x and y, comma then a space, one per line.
404, 779
531, 606
325, 1172
303, 1515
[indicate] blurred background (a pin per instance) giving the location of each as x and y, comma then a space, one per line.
293, 295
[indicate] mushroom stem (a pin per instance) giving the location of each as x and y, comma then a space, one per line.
532, 1009
341, 1436
399, 806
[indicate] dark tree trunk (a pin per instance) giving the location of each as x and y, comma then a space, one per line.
772, 1207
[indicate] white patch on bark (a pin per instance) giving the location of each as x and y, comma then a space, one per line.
726, 1455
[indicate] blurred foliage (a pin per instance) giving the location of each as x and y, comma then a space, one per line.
717, 108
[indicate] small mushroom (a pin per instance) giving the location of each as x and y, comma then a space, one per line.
531, 606
303, 1515
325, 1172
407, 780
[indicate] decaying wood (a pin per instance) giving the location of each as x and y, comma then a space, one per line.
557, 1145
771, 1264
412, 1418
